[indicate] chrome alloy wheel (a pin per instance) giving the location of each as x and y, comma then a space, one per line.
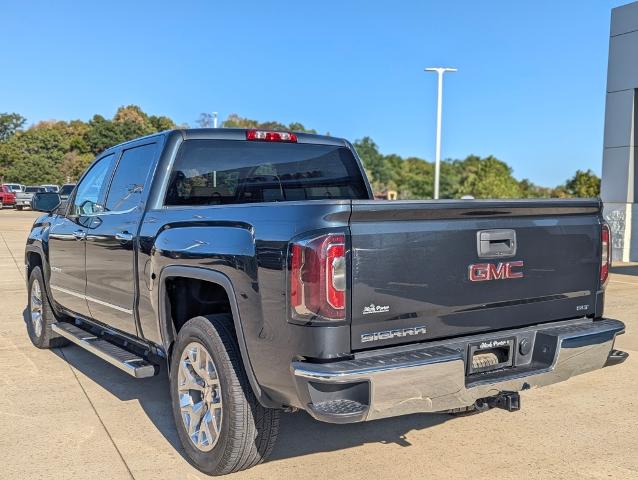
200, 396
36, 307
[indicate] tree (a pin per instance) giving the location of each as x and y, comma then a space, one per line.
486, 177
235, 121
531, 190
74, 164
416, 179
376, 165
584, 184
34, 170
205, 120
131, 122
10, 123
56, 151
161, 123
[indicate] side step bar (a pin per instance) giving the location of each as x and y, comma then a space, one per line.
126, 361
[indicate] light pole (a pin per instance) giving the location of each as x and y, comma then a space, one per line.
214, 119
439, 106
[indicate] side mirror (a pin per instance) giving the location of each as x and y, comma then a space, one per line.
45, 201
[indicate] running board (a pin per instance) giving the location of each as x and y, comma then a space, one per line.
126, 361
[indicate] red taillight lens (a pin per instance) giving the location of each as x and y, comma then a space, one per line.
605, 255
318, 278
270, 136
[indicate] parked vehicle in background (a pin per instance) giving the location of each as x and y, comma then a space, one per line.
66, 190
51, 188
7, 197
256, 266
15, 187
23, 199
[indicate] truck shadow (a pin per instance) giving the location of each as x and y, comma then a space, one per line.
630, 269
296, 428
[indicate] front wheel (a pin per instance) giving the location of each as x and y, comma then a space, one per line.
40, 314
221, 425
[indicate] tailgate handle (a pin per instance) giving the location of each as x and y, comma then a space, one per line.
496, 243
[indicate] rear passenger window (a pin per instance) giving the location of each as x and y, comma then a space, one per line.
130, 177
222, 172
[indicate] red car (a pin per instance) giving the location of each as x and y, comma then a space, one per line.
7, 197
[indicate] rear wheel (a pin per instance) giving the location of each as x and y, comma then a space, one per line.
19, 207
40, 314
222, 426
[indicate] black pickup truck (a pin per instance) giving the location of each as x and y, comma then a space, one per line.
258, 268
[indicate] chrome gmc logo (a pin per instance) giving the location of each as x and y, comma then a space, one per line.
481, 272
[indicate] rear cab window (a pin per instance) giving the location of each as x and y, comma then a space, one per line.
225, 172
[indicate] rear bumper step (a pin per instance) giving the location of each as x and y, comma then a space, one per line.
126, 361
616, 357
435, 377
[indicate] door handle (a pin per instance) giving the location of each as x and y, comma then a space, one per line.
496, 243
79, 234
124, 236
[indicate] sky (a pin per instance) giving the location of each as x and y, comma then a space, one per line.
530, 86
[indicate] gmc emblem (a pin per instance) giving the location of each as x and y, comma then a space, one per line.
481, 272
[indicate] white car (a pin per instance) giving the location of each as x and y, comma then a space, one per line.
15, 187
51, 188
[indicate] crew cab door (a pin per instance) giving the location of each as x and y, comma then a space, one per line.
111, 241
67, 247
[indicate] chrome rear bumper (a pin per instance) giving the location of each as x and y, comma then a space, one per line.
433, 378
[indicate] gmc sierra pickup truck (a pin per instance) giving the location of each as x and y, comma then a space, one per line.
256, 266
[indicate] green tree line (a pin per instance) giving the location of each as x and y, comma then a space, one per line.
480, 177
59, 151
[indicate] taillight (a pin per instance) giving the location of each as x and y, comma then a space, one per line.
605, 255
318, 278
270, 136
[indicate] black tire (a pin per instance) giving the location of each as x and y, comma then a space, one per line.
45, 337
248, 430
19, 208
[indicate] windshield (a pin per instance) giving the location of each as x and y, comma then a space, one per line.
222, 172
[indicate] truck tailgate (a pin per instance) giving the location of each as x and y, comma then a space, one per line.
412, 262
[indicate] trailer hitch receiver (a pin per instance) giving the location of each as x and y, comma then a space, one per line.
510, 401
